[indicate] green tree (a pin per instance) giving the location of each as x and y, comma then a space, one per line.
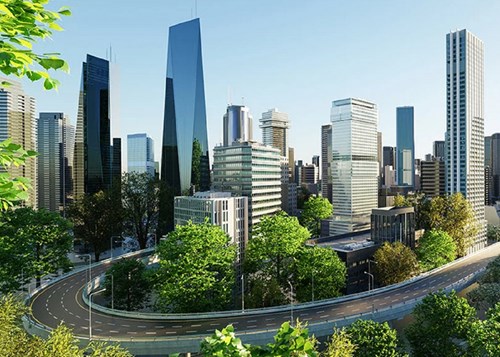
315, 209
303, 194
373, 339
340, 345
141, 202
483, 336
96, 218
435, 249
196, 269
196, 164
320, 271
440, 326
39, 242
395, 263
487, 294
127, 281
263, 290
24, 22
224, 344
292, 341
493, 233
418, 201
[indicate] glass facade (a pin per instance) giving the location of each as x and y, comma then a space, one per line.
326, 161
275, 125
405, 147
140, 154
238, 124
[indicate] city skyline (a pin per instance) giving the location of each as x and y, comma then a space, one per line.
406, 71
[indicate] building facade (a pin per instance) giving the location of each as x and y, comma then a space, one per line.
275, 125
140, 154
465, 123
438, 150
393, 224
354, 164
405, 146
432, 178
238, 124
495, 166
326, 161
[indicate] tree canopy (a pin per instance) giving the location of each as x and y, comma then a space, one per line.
373, 339
315, 209
395, 263
435, 249
487, 294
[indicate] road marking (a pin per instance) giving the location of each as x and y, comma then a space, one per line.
141, 326
170, 333
271, 324
125, 325
111, 324
251, 320
85, 327
132, 332
150, 333
195, 325
113, 331
159, 326
323, 316
270, 319
354, 310
177, 326
304, 314
320, 312
98, 330
190, 331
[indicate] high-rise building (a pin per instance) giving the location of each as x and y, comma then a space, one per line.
185, 156
252, 170
438, 150
140, 154
238, 124
432, 178
54, 185
309, 174
379, 155
405, 147
17, 121
326, 161
355, 164
389, 159
291, 163
488, 186
495, 166
94, 146
465, 123
275, 125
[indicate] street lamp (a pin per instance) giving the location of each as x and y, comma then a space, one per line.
369, 271
291, 302
89, 268
369, 276
112, 292
312, 284
242, 293
90, 311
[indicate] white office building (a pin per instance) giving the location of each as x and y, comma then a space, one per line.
275, 125
140, 154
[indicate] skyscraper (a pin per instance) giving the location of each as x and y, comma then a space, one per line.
495, 166
17, 121
438, 150
405, 147
140, 154
94, 146
465, 123
326, 161
355, 164
238, 124
275, 125
488, 173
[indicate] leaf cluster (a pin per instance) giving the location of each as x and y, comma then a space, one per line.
435, 249
373, 339
487, 294
315, 209
395, 263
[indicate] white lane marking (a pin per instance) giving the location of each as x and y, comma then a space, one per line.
212, 325
85, 327
252, 326
170, 333
150, 333
141, 326
158, 326
270, 319
320, 312
190, 331
251, 320
304, 314
111, 324
323, 316
177, 326
125, 325
113, 331
195, 325
271, 324
132, 333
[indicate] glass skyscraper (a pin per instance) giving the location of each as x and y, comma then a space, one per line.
238, 124
275, 125
140, 154
405, 147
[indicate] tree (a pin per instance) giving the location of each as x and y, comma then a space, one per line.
196, 270
435, 249
38, 241
488, 293
320, 271
141, 203
263, 290
196, 164
128, 284
373, 339
418, 201
340, 345
303, 195
292, 341
483, 336
224, 344
440, 326
22, 24
493, 233
96, 218
315, 209
395, 263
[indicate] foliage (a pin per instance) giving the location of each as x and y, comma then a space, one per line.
23, 22
340, 345
196, 269
264, 291
435, 249
293, 341
34, 243
140, 194
315, 209
483, 336
395, 263
488, 292
196, 165
419, 203
373, 339
130, 284
303, 194
493, 233
96, 218
441, 324
224, 344
322, 268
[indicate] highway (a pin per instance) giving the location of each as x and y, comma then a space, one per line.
62, 302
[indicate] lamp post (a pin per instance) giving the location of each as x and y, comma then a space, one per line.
369, 276
112, 292
90, 311
242, 293
89, 268
291, 302
369, 271
312, 284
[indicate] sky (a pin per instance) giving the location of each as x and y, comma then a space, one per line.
297, 56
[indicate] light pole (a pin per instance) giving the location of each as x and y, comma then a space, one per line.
112, 292
312, 284
242, 293
291, 302
369, 271
89, 268
369, 276
90, 311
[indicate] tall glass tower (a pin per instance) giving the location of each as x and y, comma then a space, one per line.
238, 124
140, 154
405, 147
184, 161
464, 156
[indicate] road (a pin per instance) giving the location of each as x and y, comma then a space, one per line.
62, 302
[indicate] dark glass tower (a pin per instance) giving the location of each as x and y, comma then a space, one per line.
184, 162
405, 147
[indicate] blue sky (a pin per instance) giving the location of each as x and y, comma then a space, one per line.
297, 56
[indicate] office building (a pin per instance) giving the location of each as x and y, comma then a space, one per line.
291, 163
494, 159
488, 186
310, 178
17, 122
54, 161
438, 148
432, 178
326, 161
275, 125
140, 154
252, 170
238, 124
389, 176
380, 157
389, 153
393, 224
465, 124
354, 164
95, 149
405, 147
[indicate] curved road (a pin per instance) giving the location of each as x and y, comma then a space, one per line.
62, 301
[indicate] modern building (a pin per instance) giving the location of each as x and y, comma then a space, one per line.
432, 178
185, 156
238, 124
438, 150
291, 163
416, 177
17, 121
310, 177
495, 166
54, 165
252, 170
354, 164
405, 147
488, 186
389, 159
221, 209
389, 176
275, 125
95, 149
288, 189
465, 123
140, 154
380, 157
393, 224
326, 161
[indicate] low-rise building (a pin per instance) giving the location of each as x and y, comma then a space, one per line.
393, 224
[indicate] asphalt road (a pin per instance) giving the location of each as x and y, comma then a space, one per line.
62, 302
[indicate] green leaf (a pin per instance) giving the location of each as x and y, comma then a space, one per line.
55, 26
64, 11
6, 10
53, 63
47, 84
